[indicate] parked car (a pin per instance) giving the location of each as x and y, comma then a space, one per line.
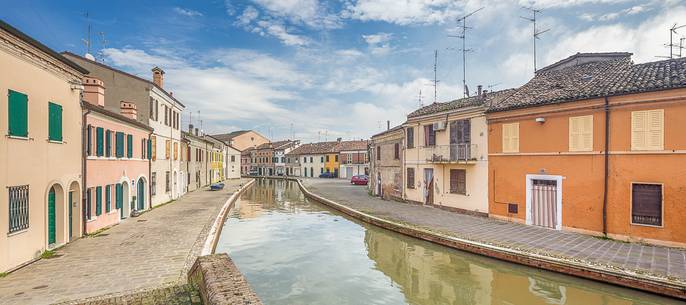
327, 175
359, 180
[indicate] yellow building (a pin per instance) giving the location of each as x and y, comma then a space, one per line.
331, 163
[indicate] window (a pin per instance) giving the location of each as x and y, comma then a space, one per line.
108, 143
429, 135
327, 158
167, 145
153, 183
396, 153
89, 144
378, 152
233, 158
152, 108
647, 129
18, 208
176, 151
167, 186
511, 138
322, 159
304, 159
410, 137
581, 133
54, 122
157, 111
321, 170
153, 144
410, 178
89, 202
118, 196
18, 114
98, 200
108, 198
99, 137
646, 204
119, 144
143, 148
129, 146
310, 159
458, 181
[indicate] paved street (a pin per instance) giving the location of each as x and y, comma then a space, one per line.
660, 261
152, 250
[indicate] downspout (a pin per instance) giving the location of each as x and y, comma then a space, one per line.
150, 171
607, 163
84, 157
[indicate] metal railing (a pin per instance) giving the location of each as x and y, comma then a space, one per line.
450, 153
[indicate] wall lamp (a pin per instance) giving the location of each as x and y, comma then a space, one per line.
540, 120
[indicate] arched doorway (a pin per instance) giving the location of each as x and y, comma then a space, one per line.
140, 188
56, 229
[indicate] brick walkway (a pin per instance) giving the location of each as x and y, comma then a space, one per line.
658, 261
153, 250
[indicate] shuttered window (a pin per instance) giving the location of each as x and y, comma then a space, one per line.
153, 184
119, 196
18, 114
167, 145
55, 122
129, 146
458, 181
581, 133
18, 208
119, 144
149, 149
108, 198
647, 130
511, 137
89, 202
108, 143
378, 153
410, 137
410, 178
646, 204
176, 151
429, 135
167, 185
396, 152
153, 143
99, 138
98, 201
89, 140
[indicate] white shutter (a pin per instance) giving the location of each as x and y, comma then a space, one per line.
587, 133
506, 137
638, 130
581, 133
655, 129
573, 133
515, 137
511, 137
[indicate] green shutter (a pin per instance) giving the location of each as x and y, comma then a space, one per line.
89, 148
108, 198
129, 146
98, 201
99, 141
108, 143
18, 114
149, 149
54, 122
119, 193
120, 144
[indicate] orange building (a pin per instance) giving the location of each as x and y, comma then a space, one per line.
594, 144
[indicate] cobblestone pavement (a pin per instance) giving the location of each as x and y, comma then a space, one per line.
153, 250
171, 295
659, 261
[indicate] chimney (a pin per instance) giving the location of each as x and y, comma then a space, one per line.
190, 128
478, 90
158, 77
339, 140
128, 110
94, 91
196, 131
388, 125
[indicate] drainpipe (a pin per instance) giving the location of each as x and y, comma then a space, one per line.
150, 171
84, 170
607, 164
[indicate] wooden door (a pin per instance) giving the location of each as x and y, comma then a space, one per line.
70, 203
51, 218
544, 203
141, 194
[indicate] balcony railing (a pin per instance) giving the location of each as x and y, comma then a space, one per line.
450, 153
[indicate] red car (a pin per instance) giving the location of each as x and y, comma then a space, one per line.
359, 180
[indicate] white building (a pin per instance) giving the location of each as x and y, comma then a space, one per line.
233, 163
281, 149
311, 158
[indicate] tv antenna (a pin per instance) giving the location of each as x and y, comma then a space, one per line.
536, 32
463, 36
671, 44
421, 103
87, 41
435, 81
103, 45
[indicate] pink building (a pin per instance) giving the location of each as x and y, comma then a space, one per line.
117, 161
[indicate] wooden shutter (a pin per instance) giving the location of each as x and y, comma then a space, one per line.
54, 122
458, 181
99, 145
119, 144
108, 143
655, 130
129, 146
639, 126
511, 137
153, 143
410, 137
176, 151
108, 198
98, 201
167, 147
410, 178
17, 109
581, 133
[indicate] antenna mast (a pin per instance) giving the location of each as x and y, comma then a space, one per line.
103, 45
435, 82
421, 103
536, 32
464, 49
671, 44
87, 40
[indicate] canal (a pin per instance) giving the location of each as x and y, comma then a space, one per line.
295, 251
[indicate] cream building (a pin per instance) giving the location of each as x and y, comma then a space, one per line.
242, 139
232, 163
312, 158
40, 150
446, 154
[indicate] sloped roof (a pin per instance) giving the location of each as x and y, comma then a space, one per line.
315, 148
472, 101
596, 79
396, 128
228, 136
351, 145
115, 115
275, 145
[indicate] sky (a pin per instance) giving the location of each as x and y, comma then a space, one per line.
317, 70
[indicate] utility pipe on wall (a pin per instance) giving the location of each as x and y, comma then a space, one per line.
607, 164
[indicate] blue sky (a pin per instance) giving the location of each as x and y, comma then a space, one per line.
326, 69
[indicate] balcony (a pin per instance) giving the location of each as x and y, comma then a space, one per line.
453, 153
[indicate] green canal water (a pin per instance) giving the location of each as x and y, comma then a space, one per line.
295, 251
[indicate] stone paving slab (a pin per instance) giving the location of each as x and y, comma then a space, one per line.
669, 263
153, 250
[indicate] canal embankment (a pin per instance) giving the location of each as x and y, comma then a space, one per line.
649, 268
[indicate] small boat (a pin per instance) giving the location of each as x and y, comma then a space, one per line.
216, 186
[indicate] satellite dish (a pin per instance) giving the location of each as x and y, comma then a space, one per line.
90, 56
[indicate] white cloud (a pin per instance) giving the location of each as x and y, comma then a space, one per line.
187, 12
565, 3
379, 43
279, 31
248, 15
402, 12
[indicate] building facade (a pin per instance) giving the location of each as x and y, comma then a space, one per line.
353, 158
599, 154
117, 160
41, 153
386, 174
196, 156
233, 163
217, 153
312, 157
281, 149
242, 139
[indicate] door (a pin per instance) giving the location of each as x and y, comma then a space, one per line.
428, 186
348, 172
141, 194
544, 203
119, 199
460, 140
70, 203
51, 217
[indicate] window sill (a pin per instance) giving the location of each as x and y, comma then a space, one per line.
56, 142
646, 225
17, 232
92, 219
26, 138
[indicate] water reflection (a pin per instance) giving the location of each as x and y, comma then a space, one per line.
296, 252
